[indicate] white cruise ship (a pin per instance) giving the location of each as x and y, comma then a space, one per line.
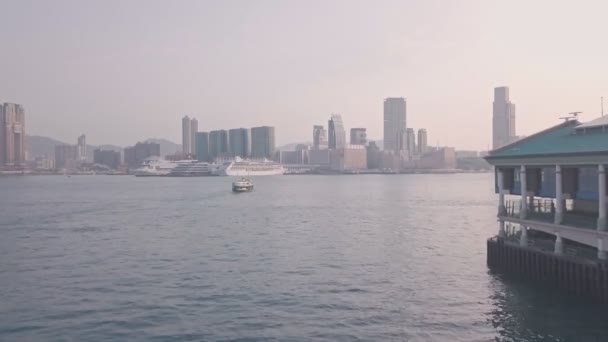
244, 167
192, 169
156, 166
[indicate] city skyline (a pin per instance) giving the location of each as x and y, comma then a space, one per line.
133, 66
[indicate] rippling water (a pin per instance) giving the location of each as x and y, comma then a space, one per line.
302, 258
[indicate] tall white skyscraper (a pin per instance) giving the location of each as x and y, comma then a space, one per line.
394, 123
82, 147
186, 135
422, 141
410, 141
336, 133
503, 119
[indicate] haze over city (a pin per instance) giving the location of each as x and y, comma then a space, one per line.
125, 71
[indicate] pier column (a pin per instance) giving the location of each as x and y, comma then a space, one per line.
559, 195
523, 210
601, 219
559, 244
501, 229
601, 252
523, 238
502, 210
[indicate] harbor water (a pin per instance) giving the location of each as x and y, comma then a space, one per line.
301, 258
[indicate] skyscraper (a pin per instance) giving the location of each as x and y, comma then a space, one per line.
262, 142
238, 139
336, 133
422, 141
394, 123
202, 146
193, 130
319, 137
218, 144
410, 141
82, 147
358, 136
12, 135
186, 135
503, 118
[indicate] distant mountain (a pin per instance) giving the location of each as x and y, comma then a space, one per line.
41, 146
292, 146
166, 147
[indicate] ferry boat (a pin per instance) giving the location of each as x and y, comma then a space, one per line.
245, 167
191, 169
242, 185
156, 166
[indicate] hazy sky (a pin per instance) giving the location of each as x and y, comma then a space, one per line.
121, 70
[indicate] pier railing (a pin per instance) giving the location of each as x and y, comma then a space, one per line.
543, 210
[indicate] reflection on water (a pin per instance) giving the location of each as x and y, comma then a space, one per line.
327, 258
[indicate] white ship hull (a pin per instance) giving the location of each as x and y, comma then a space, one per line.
249, 168
245, 173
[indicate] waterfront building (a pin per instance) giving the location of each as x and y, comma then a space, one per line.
374, 156
319, 157
395, 123
262, 142
337, 134
66, 157
218, 144
82, 147
294, 157
422, 141
108, 158
135, 155
319, 137
410, 141
552, 207
186, 135
443, 158
193, 131
503, 118
239, 142
349, 158
358, 136
12, 135
202, 146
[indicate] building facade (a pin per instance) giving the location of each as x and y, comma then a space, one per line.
218, 144
135, 155
319, 137
410, 141
108, 158
349, 158
82, 147
422, 141
358, 136
202, 146
66, 157
503, 119
239, 142
193, 131
395, 123
12, 135
186, 135
262, 142
336, 133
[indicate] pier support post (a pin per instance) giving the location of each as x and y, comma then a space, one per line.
559, 244
523, 211
559, 195
501, 229
502, 210
601, 219
523, 238
601, 252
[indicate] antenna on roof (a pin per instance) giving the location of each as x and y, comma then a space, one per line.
571, 116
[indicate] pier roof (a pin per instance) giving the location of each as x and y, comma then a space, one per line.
570, 138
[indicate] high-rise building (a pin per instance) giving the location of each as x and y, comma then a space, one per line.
135, 155
12, 135
239, 142
193, 131
82, 147
422, 141
202, 146
395, 124
108, 158
319, 137
66, 156
262, 142
336, 133
186, 135
503, 118
218, 144
410, 138
358, 136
